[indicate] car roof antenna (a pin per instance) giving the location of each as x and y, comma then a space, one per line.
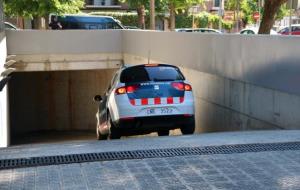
149, 54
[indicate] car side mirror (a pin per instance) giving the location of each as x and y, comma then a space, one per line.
97, 98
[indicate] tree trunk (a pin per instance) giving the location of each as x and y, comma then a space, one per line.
141, 16
271, 8
47, 22
152, 14
172, 16
36, 23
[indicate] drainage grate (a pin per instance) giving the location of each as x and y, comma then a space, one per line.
141, 154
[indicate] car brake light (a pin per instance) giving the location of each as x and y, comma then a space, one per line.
127, 89
178, 85
187, 87
131, 89
182, 86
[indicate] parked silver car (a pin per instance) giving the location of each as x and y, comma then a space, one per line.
10, 26
200, 30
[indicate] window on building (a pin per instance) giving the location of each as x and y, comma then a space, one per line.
89, 2
216, 3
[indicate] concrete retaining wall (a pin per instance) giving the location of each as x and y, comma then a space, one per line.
224, 104
263, 60
240, 82
36, 42
65, 50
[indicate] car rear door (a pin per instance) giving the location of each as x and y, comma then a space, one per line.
153, 85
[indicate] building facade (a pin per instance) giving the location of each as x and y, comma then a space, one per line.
104, 4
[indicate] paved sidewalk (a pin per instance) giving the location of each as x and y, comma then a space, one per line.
208, 139
244, 171
247, 171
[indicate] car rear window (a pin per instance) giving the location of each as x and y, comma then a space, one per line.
156, 73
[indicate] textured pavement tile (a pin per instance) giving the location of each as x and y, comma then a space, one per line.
197, 186
176, 187
247, 171
193, 179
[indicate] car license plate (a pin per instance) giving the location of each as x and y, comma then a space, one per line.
159, 111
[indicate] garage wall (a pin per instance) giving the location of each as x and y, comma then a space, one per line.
39, 42
240, 82
224, 104
264, 60
60, 100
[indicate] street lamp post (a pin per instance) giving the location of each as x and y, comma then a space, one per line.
194, 10
290, 22
259, 8
238, 15
221, 12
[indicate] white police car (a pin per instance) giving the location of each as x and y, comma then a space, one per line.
146, 98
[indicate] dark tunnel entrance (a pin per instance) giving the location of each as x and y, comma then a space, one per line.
54, 106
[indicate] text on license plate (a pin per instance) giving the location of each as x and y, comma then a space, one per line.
152, 111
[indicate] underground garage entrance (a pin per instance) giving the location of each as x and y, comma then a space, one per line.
54, 106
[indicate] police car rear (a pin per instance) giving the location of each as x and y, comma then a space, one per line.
152, 98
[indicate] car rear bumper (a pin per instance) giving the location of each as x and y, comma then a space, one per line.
144, 125
123, 109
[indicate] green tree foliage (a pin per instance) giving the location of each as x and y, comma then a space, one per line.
139, 5
126, 18
202, 20
282, 12
248, 7
41, 8
177, 6
134, 4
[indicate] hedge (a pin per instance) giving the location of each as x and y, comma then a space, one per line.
202, 20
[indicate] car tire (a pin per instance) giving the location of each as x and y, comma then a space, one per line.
188, 129
99, 135
114, 132
163, 133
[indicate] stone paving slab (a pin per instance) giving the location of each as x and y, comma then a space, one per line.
210, 139
246, 171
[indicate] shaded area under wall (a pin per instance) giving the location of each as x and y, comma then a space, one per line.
55, 101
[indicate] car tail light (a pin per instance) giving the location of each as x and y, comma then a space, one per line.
121, 90
178, 85
126, 89
131, 89
182, 86
187, 87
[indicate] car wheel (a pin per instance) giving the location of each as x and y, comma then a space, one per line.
188, 129
114, 132
163, 133
99, 135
